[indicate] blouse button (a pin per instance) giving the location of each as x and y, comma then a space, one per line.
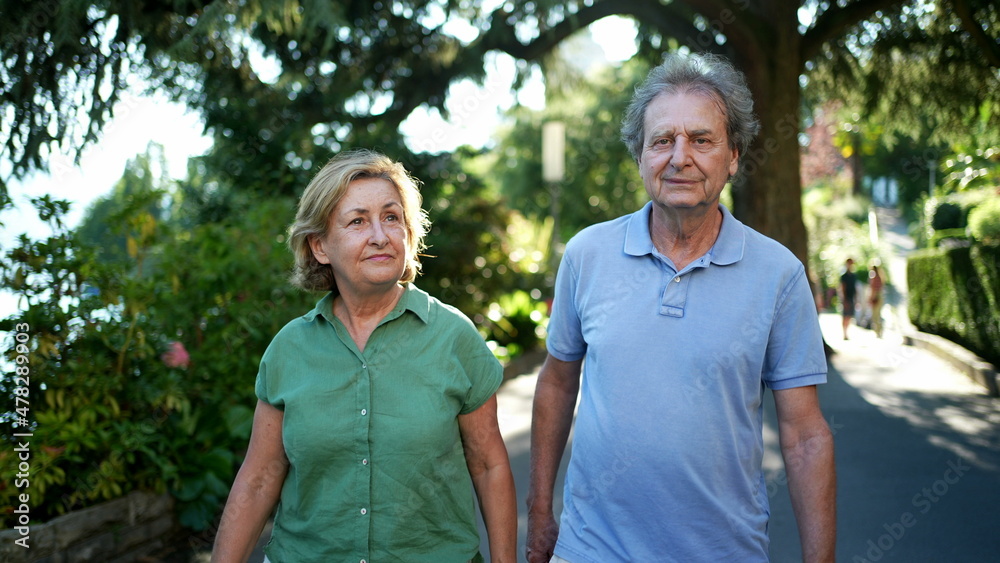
364, 511
364, 412
364, 462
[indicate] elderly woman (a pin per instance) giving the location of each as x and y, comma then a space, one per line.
377, 408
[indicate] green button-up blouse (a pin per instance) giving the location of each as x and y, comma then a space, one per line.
377, 472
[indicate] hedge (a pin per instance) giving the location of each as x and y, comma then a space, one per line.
955, 293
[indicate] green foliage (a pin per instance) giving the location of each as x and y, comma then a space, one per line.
517, 320
946, 217
467, 260
973, 168
955, 293
602, 181
839, 229
905, 70
984, 222
113, 413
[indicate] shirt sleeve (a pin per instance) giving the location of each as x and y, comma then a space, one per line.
565, 335
264, 385
795, 355
482, 368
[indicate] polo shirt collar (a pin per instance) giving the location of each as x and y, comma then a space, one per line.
413, 299
728, 248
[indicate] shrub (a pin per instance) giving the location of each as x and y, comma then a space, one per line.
984, 222
142, 373
955, 293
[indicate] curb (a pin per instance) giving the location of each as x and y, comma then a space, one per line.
976, 368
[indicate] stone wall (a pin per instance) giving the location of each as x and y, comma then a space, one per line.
118, 531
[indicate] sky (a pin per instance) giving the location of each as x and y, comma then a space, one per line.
475, 114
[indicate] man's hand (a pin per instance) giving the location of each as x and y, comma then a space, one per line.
543, 531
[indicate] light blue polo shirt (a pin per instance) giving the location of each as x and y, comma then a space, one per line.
667, 445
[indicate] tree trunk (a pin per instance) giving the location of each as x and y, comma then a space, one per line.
769, 199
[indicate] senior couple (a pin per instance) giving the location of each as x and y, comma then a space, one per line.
376, 418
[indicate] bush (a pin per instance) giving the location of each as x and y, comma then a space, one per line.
142, 373
984, 222
947, 215
956, 294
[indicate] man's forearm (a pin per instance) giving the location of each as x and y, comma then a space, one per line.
551, 420
812, 486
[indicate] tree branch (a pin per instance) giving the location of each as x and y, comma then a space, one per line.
988, 44
832, 23
674, 20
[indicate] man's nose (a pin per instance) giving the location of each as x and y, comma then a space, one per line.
681, 155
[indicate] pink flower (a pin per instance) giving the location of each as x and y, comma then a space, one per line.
177, 356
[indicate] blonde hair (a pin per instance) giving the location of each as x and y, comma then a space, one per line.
323, 194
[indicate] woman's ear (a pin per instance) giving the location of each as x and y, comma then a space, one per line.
319, 253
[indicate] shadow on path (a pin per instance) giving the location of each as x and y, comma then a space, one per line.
918, 460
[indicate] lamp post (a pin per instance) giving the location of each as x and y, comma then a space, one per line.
553, 173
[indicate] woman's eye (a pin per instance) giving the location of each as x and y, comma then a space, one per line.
391, 217
357, 221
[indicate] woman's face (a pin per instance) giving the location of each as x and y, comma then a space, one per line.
366, 242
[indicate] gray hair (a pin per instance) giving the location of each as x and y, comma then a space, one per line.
323, 194
704, 73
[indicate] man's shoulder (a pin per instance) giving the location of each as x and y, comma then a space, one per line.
762, 248
605, 234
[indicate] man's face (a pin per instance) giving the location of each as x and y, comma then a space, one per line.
686, 159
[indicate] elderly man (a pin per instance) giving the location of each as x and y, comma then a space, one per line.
679, 316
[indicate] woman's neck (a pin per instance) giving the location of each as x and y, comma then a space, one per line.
361, 314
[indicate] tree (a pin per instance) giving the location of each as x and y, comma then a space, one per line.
350, 72
601, 181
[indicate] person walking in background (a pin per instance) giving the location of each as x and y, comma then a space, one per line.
848, 294
376, 415
875, 298
679, 316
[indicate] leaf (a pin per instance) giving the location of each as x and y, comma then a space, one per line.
239, 420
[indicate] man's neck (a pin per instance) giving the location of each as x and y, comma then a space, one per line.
684, 235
